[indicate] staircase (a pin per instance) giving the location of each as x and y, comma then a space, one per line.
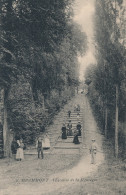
66, 146
54, 132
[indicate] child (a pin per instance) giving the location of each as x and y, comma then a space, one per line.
93, 151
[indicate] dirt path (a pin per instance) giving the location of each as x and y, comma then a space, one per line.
63, 180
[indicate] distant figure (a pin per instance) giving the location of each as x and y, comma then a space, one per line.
69, 113
75, 107
69, 128
93, 151
78, 107
46, 144
78, 116
20, 152
64, 132
76, 140
79, 128
39, 147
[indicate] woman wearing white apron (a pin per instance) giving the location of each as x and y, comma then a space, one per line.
46, 144
20, 152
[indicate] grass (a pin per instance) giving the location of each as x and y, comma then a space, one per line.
33, 168
110, 178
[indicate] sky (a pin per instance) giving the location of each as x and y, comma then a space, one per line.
84, 11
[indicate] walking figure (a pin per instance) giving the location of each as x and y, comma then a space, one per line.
39, 147
69, 113
93, 151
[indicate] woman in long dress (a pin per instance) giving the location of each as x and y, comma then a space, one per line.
20, 152
64, 132
46, 143
76, 140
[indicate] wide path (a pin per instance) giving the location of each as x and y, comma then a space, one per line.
63, 180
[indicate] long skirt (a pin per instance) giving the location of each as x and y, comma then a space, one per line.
69, 132
20, 154
64, 135
76, 140
46, 143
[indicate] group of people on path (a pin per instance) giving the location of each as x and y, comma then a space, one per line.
67, 129
17, 147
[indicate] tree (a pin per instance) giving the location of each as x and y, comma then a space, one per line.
34, 37
110, 60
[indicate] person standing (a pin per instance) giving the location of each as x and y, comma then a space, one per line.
79, 128
46, 142
78, 116
39, 147
69, 128
20, 152
93, 151
76, 140
14, 146
69, 113
75, 107
64, 132
78, 107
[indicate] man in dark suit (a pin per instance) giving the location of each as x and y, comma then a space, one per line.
39, 147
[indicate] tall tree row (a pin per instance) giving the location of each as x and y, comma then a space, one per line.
39, 47
109, 75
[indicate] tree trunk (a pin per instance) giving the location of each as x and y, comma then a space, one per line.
116, 123
43, 102
6, 142
103, 115
106, 120
1, 122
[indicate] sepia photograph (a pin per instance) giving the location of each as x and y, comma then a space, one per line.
62, 97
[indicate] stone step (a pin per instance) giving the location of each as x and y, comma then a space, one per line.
34, 152
66, 151
73, 113
65, 147
74, 116
68, 140
73, 123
